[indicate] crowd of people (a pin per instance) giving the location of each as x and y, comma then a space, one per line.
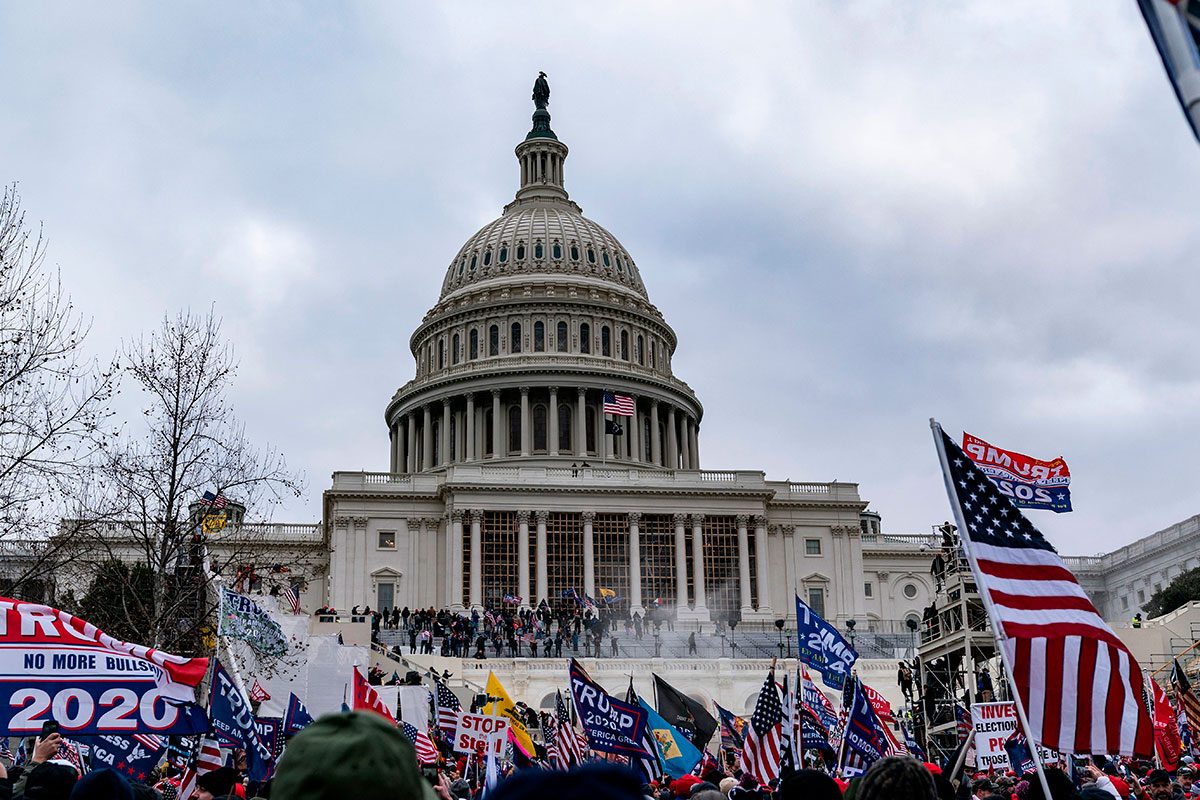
359, 755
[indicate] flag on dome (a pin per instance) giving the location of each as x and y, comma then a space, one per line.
619, 405
1079, 685
214, 500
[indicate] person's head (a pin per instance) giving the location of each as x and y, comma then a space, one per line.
356, 754
1158, 785
50, 781
983, 788
217, 783
1185, 777
102, 784
590, 782
897, 778
1061, 787
808, 784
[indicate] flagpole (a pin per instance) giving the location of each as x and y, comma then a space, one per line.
984, 595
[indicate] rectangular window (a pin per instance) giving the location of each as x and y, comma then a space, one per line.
816, 600
1141, 596
812, 547
387, 540
868, 590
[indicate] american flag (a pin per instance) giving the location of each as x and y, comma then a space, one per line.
550, 739
568, 742
292, 598
647, 765
1080, 686
208, 758
214, 500
427, 752
761, 753
1185, 698
68, 751
149, 740
448, 709
619, 405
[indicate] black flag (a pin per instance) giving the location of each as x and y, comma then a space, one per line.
685, 713
613, 427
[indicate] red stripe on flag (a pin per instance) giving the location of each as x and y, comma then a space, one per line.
1028, 602
1059, 630
1052, 707
1025, 572
1083, 708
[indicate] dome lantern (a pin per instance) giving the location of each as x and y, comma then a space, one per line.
541, 154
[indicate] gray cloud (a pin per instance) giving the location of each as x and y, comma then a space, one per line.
854, 219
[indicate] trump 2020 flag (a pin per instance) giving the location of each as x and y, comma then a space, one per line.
233, 723
822, 647
863, 743
1028, 482
242, 618
677, 754
296, 718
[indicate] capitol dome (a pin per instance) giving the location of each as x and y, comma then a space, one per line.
542, 318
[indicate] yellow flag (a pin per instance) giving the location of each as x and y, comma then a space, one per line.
505, 707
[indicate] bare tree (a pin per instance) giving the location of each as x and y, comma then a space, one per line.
53, 403
190, 443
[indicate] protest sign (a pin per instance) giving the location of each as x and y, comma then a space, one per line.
992, 725
479, 733
611, 725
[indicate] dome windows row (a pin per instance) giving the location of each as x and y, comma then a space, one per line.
573, 250
517, 336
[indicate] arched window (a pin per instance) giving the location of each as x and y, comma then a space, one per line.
494, 340
574, 253
641, 350
590, 437
461, 266
556, 251
605, 341
473, 257
647, 445
473, 338
441, 353
539, 337
607, 263
653, 353
591, 256
624, 345
562, 337
538, 252
455, 344
514, 339
514, 429
487, 257
437, 441
585, 338
520, 252
503, 253
539, 428
564, 429
488, 431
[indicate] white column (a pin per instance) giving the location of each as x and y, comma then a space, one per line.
445, 431
470, 454
635, 564
589, 555
394, 446
701, 605
497, 424
523, 557
681, 598
476, 560
655, 441
552, 421
760, 558
526, 433
410, 458
454, 554
694, 438
581, 424
427, 438
542, 572
672, 439
685, 453
635, 434
744, 562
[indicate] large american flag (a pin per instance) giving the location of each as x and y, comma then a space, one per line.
619, 405
568, 743
761, 753
427, 752
1185, 698
1079, 684
448, 709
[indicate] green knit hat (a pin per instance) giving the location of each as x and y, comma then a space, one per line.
355, 755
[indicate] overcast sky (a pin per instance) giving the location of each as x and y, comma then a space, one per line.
855, 215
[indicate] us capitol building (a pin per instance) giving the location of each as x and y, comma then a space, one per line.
506, 477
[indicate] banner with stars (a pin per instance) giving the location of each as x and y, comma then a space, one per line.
133, 756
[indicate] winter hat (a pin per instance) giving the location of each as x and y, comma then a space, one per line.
590, 782
218, 782
355, 754
50, 782
727, 784
102, 784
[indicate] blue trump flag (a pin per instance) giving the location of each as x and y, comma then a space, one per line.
233, 724
135, 756
677, 753
296, 718
864, 742
822, 647
611, 725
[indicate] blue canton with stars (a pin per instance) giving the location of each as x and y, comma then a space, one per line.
990, 517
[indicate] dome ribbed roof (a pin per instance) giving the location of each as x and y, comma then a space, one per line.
547, 238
